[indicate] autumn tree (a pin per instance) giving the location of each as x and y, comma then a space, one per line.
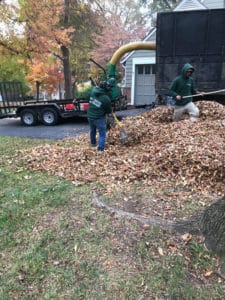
46, 73
12, 68
45, 36
86, 21
121, 23
68, 30
11, 39
12, 65
52, 28
40, 35
113, 36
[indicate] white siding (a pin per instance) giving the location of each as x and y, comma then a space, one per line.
214, 3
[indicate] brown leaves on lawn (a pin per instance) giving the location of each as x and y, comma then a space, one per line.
158, 150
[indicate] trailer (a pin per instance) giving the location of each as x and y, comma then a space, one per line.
14, 104
196, 37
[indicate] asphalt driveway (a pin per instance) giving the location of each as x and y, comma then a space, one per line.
67, 128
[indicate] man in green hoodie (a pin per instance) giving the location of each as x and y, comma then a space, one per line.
181, 86
99, 107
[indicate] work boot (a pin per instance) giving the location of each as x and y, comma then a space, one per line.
193, 119
100, 149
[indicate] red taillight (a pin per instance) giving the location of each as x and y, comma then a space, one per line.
69, 106
84, 106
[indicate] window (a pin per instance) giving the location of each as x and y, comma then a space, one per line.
140, 69
146, 69
153, 69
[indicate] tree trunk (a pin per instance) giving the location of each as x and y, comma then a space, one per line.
212, 225
66, 57
67, 73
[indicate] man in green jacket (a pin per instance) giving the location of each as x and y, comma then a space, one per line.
99, 107
181, 86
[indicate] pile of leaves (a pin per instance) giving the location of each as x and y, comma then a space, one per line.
157, 152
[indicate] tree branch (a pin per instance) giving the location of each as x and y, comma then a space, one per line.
11, 49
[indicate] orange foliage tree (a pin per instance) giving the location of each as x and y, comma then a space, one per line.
47, 74
45, 36
60, 28
41, 33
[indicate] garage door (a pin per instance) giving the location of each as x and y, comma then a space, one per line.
144, 91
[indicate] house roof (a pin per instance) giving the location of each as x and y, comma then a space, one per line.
183, 5
190, 5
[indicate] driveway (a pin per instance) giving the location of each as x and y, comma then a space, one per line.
67, 128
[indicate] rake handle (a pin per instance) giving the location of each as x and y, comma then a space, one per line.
209, 93
116, 119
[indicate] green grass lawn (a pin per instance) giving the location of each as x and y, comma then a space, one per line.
56, 245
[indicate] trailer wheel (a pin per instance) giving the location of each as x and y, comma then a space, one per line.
29, 117
49, 116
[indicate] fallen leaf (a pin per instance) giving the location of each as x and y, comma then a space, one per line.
160, 250
186, 237
208, 273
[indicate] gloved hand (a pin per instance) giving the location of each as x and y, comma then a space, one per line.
178, 97
110, 122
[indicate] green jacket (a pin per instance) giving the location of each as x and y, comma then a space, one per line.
183, 86
99, 104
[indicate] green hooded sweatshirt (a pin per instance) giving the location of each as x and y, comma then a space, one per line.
183, 86
99, 104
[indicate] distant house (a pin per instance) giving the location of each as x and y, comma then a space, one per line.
139, 65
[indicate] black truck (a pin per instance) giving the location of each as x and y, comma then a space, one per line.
196, 37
